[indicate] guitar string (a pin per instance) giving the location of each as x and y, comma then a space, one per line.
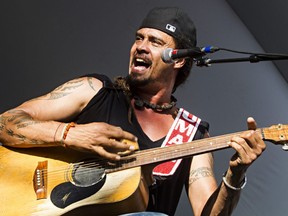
141, 157
94, 163
144, 156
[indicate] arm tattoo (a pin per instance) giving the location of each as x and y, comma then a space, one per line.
21, 120
2, 122
23, 138
202, 172
90, 83
199, 173
62, 90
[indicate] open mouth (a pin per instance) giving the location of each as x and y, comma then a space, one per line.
141, 62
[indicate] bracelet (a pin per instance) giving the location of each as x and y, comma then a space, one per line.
65, 131
56, 132
244, 182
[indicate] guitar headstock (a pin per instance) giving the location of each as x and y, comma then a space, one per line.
277, 134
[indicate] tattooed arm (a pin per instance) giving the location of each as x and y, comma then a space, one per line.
40, 122
201, 181
208, 199
33, 122
205, 197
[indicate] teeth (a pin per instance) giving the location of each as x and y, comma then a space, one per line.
140, 60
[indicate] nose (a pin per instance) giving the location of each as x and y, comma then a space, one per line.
142, 46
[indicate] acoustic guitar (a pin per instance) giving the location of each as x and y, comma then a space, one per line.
58, 181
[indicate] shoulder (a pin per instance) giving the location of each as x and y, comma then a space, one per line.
96, 76
97, 81
80, 90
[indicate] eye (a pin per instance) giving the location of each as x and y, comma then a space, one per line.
157, 42
138, 37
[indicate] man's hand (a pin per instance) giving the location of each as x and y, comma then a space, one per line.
248, 146
101, 138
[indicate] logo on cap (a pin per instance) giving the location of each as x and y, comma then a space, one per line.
170, 27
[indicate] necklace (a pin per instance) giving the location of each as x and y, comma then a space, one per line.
139, 104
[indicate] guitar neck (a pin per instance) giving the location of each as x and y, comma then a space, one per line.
157, 155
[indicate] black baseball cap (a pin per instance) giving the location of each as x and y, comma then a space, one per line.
173, 21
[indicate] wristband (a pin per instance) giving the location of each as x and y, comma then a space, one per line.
65, 131
243, 183
56, 132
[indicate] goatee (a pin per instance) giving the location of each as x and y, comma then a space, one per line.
135, 82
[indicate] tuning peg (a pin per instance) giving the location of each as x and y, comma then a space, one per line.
285, 147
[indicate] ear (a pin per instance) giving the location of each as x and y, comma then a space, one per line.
179, 63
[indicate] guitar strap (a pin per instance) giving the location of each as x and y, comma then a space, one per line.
182, 130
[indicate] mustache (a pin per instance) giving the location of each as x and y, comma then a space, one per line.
144, 57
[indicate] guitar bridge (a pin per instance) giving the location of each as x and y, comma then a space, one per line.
40, 180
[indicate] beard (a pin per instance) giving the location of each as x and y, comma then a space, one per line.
137, 82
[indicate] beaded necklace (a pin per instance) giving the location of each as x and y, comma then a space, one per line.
139, 104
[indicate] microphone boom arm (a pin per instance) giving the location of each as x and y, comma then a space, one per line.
255, 58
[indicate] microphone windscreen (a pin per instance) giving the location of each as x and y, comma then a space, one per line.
166, 55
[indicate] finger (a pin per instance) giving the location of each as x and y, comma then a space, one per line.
255, 142
120, 145
240, 145
251, 123
254, 138
105, 154
120, 134
247, 147
243, 149
240, 159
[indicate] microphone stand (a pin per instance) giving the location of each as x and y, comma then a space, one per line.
254, 58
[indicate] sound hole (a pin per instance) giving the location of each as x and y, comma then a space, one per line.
86, 173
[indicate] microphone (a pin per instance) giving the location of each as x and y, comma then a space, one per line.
169, 54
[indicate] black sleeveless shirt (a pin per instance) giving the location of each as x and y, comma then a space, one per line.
111, 106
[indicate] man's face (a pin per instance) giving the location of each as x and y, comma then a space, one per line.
146, 65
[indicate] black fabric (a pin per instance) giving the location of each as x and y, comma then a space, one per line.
173, 21
110, 105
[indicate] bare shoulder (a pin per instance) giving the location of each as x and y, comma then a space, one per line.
78, 91
94, 84
83, 87
85, 84
65, 101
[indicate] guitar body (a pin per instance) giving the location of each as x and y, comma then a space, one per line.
39, 181
58, 181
